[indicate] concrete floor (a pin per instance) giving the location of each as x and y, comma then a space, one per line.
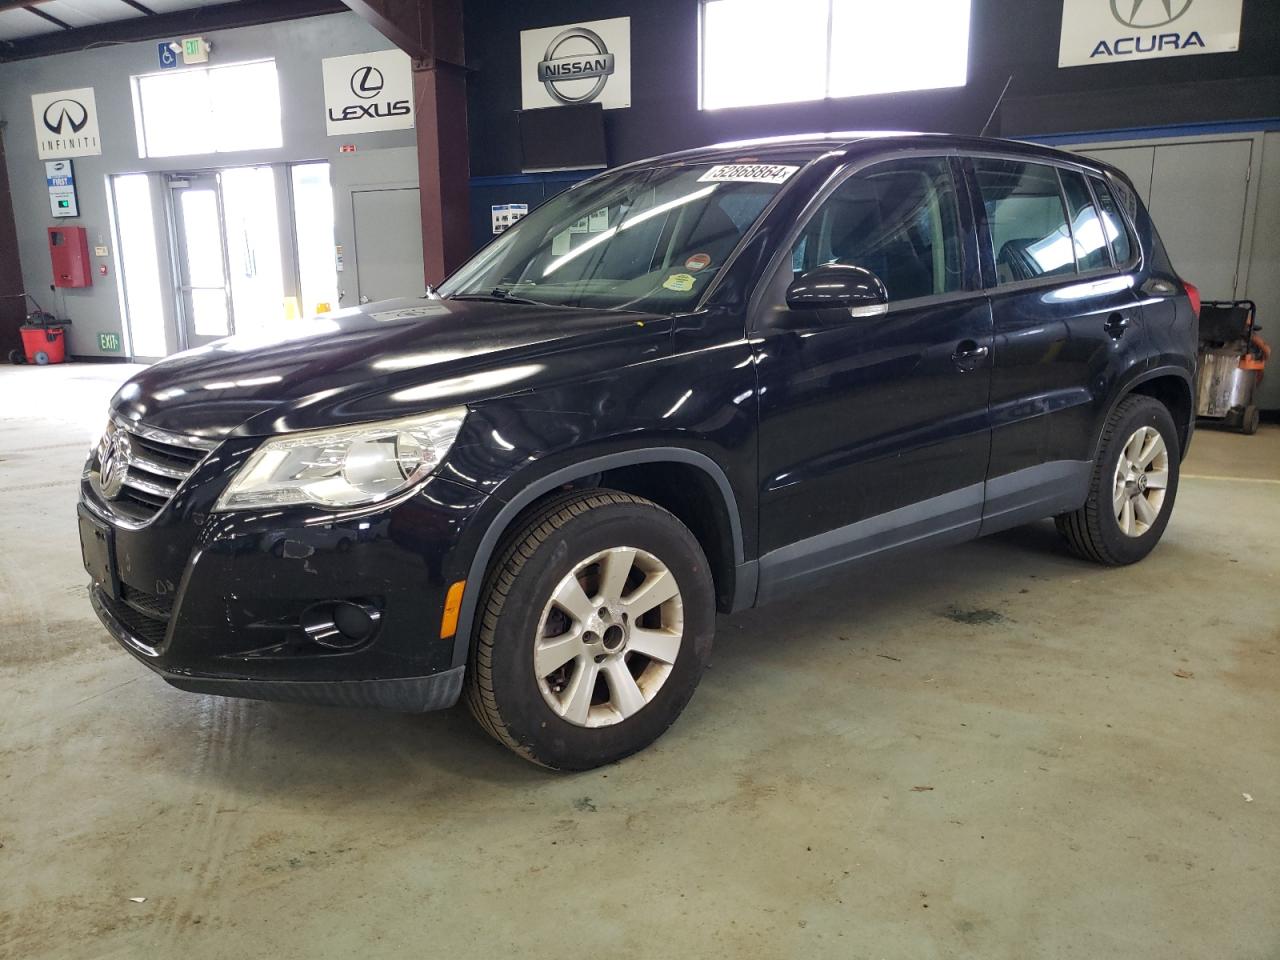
992, 751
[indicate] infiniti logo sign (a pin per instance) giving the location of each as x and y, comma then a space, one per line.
65, 116
367, 82
1172, 10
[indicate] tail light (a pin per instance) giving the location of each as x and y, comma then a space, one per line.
1193, 294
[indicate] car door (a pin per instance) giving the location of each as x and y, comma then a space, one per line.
1067, 322
873, 430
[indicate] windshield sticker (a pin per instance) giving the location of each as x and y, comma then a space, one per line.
749, 173
580, 226
699, 261
561, 243
598, 222
679, 282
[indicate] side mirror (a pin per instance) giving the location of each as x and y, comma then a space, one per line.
837, 285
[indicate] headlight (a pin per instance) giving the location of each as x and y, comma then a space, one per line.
346, 467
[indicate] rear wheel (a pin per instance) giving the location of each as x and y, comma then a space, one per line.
1135, 480
1249, 420
596, 625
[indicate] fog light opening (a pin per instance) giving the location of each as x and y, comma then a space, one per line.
340, 625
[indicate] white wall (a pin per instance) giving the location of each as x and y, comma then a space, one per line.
298, 46
1264, 267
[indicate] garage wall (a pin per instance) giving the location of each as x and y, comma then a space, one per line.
1006, 37
298, 46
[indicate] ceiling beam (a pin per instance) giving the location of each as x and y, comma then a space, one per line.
427, 30
60, 24
180, 23
7, 5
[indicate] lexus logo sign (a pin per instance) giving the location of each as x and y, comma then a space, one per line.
65, 115
1117, 31
367, 82
368, 92
66, 124
578, 63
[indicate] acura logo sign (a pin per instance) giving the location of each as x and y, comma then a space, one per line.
65, 116
367, 82
1158, 13
597, 64
115, 453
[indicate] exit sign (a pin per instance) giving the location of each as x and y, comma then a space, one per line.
195, 50
109, 342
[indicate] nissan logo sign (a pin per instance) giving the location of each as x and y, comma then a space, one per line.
367, 82
65, 113
597, 65
1164, 12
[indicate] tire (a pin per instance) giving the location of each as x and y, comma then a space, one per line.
1249, 421
42, 358
1097, 531
582, 539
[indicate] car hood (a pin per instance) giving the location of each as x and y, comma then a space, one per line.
381, 360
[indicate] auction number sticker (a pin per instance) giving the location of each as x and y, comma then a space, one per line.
749, 173
679, 282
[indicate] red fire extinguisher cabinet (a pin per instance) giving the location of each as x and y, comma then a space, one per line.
69, 255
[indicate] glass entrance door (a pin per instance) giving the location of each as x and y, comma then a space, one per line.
204, 287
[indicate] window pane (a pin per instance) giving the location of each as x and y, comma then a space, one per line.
215, 110
879, 47
140, 265
313, 215
246, 106
1086, 230
1117, 231
751, 55
1029, 233
253, 247
897, 220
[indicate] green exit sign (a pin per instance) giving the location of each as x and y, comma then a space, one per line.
109, 342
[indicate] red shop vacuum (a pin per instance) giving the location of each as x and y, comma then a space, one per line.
44, 340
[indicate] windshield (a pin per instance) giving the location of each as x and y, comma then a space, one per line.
649, 239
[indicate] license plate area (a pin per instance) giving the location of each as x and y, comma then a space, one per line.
98, 550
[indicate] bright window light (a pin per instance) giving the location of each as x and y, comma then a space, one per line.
754, 55
139, 265
213, 110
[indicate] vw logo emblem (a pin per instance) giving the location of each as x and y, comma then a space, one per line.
596, 64
1164, 12
113, 461
65, 113
367, 82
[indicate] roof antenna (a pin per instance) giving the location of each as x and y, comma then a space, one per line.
999, 100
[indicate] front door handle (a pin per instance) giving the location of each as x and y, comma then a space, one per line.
1116, 325
969, 354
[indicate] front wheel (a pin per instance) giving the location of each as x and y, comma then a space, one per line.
1131, 494
596, 625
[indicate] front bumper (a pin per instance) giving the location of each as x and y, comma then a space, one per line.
216, 603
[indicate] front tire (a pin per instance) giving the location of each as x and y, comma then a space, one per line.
1134, 483
596, 624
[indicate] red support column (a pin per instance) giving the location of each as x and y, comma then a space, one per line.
440, 115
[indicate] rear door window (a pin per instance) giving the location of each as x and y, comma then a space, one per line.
1113, 223
1086, 229
1027, 219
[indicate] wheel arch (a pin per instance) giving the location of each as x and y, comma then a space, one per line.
1172, 386
632, 472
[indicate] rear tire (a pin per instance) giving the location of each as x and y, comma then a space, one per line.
1132, 490
577, 662
1249, 421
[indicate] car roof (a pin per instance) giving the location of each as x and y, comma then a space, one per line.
850, 142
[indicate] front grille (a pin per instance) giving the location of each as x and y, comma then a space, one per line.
155, 466
147, 604
141, 626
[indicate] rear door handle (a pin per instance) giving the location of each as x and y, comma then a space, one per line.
1116, 325
968, 354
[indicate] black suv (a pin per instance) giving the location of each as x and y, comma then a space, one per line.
690, 384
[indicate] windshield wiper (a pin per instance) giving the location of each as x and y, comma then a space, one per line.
496, 295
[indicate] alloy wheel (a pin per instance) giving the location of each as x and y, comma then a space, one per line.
1141, 480
608, 637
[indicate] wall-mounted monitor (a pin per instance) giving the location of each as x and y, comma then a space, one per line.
562, 138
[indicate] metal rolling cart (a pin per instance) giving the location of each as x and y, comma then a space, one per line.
1231, 359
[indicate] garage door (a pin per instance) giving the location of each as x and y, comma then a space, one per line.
1197, 195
